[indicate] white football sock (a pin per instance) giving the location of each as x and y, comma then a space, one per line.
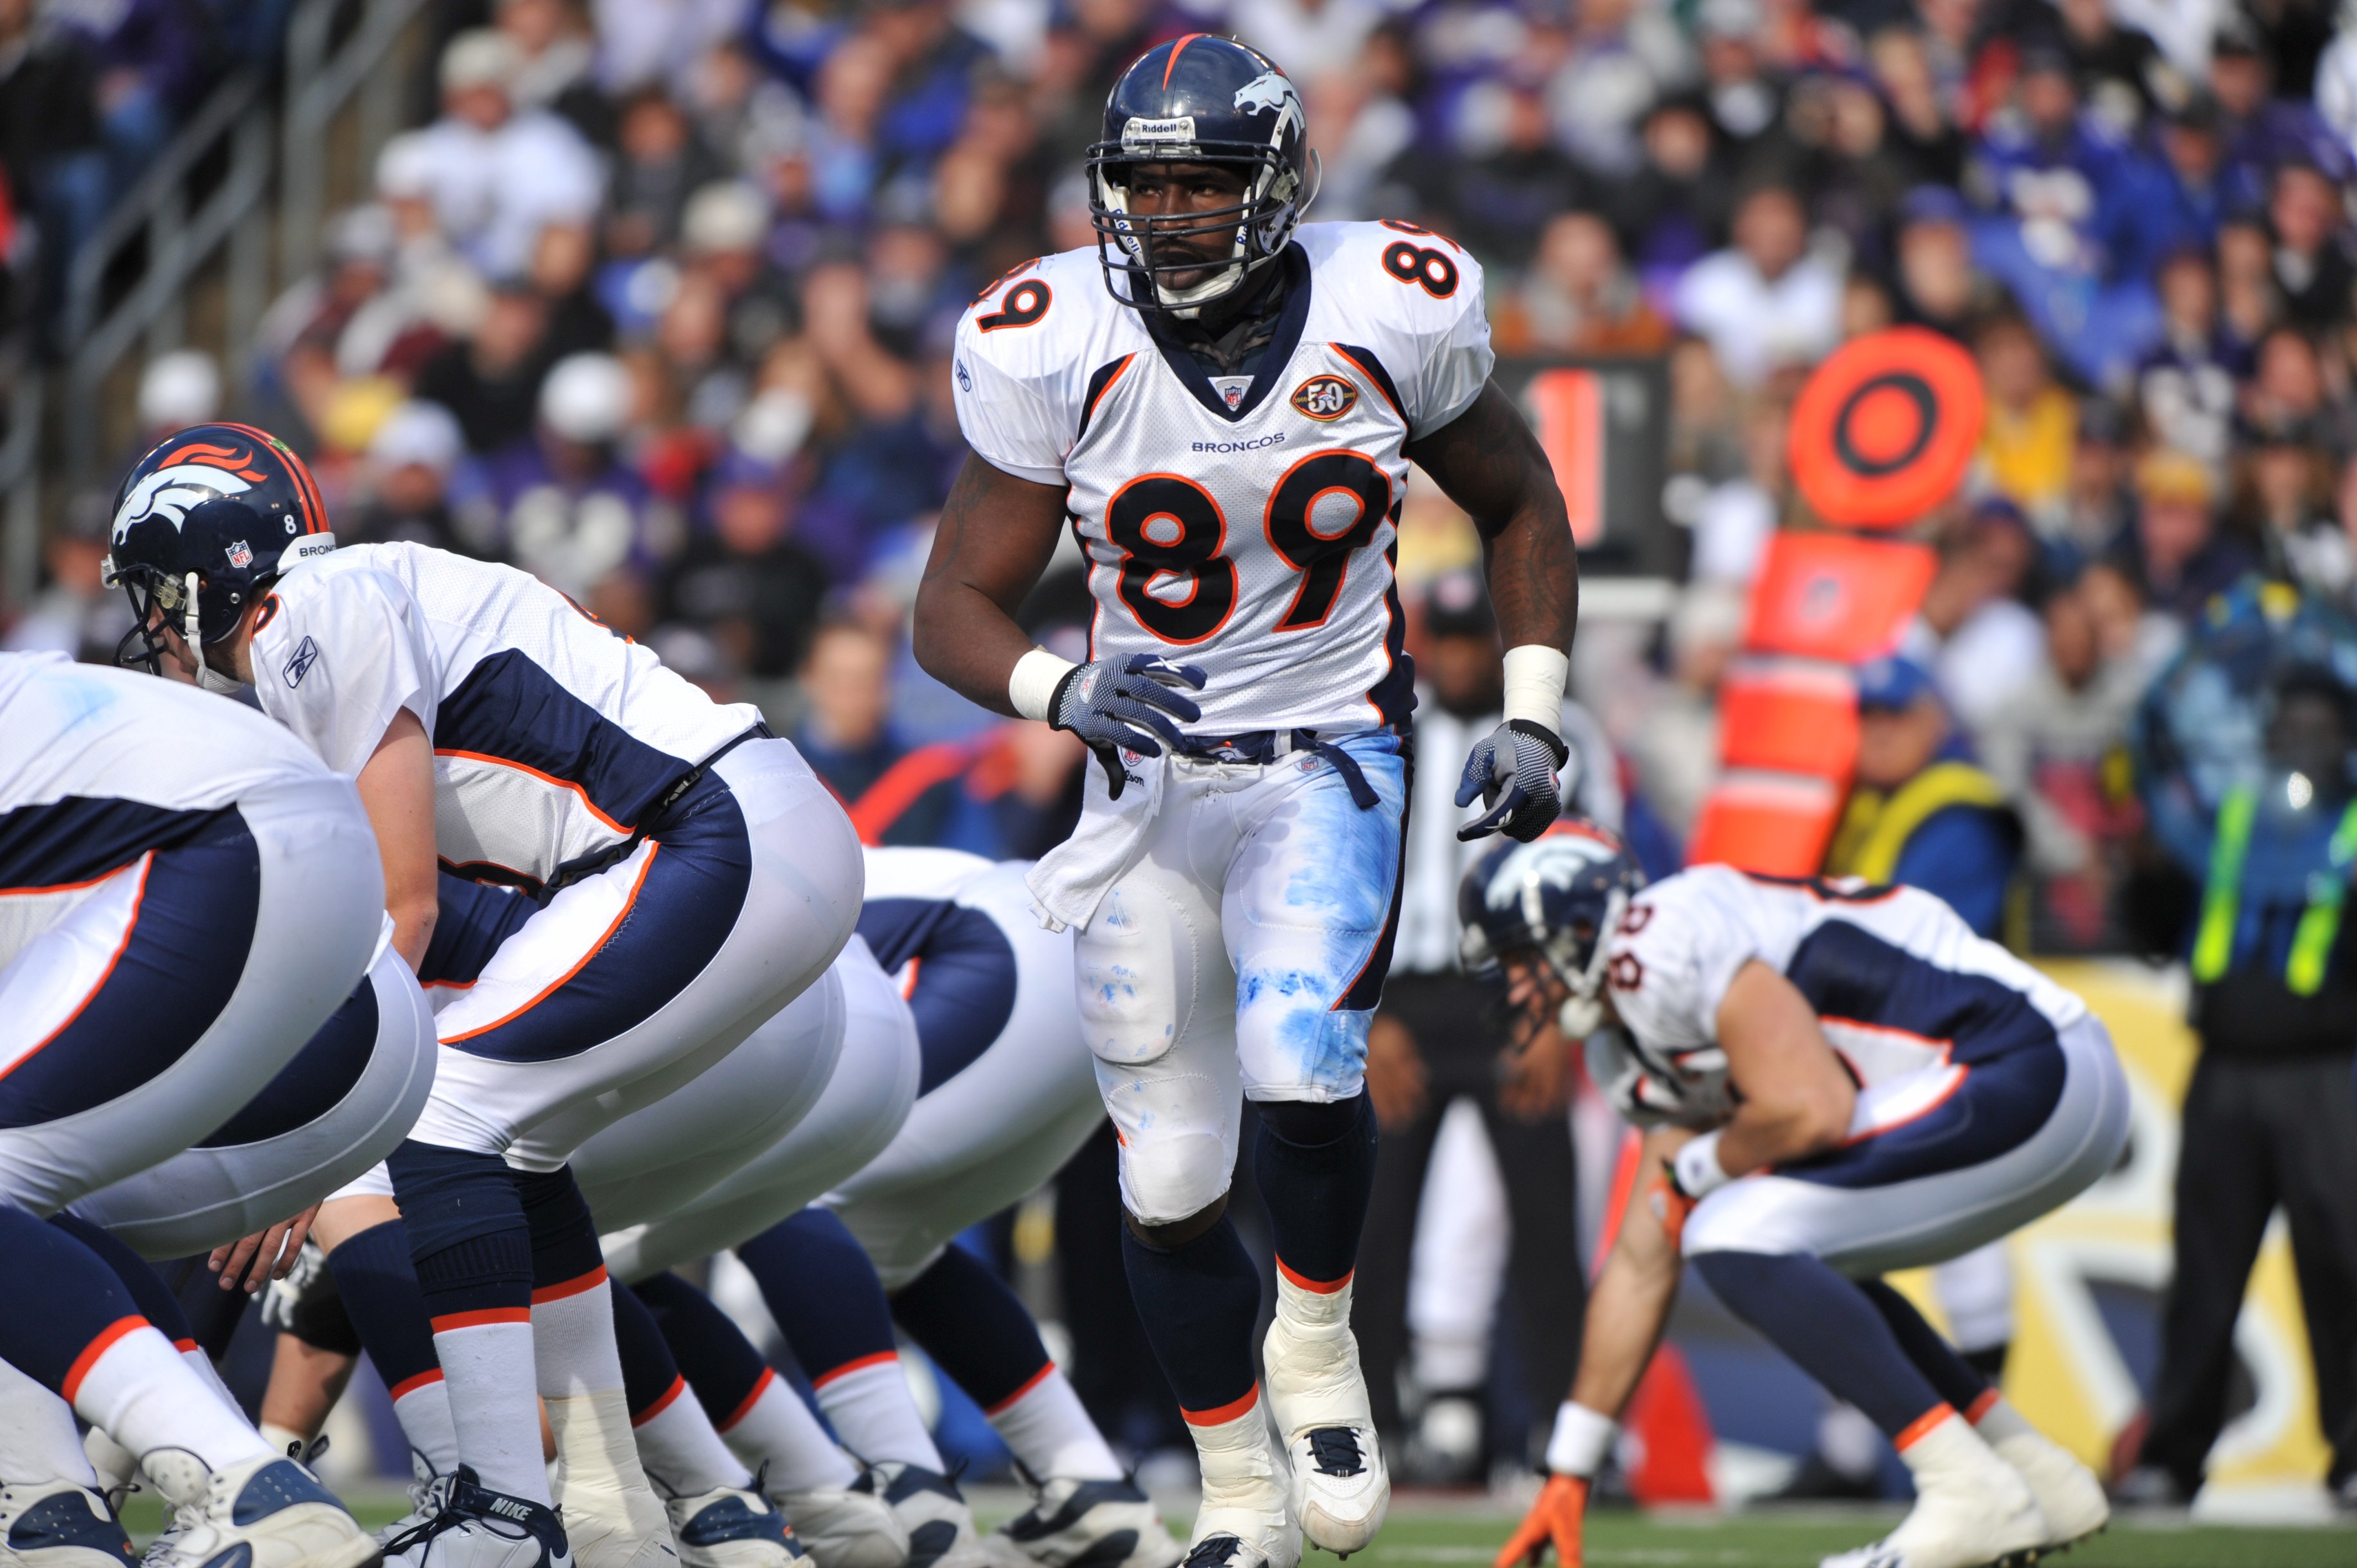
421, 1405
773, 1427
869, 1404
678, 1448
579, 1370
1046, 1427
131, 1382
38, 1440
487, 1368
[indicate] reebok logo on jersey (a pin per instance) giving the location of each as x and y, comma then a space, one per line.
965, 380
1178, 129
300, 662
1253, 444
1325, 398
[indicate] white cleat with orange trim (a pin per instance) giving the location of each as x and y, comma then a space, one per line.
1972, 1509
1319, 1399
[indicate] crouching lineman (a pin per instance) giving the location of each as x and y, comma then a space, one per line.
186, 897
688, 876
1840, 1080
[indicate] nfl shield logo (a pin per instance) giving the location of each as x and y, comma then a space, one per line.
240, 554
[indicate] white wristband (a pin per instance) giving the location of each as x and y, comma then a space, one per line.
1032, 685
1581, 1439
1535, 677
1699, 1171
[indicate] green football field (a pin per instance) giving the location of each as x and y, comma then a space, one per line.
1782, 1539
1425, 1536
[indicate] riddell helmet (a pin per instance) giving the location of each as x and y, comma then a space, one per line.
1199, 100
202, 525
1559, 896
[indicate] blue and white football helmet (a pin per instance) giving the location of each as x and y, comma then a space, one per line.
1199, 100
1559, 896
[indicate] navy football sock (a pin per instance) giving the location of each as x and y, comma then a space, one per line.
1316, 1169
650, 1376
1197, 1302
43, 1332
712, 1353
1825, 1323
154, 1298
468, 1234
973, 1327
823, 1290
1937, 1359
563, 1236
381, 1295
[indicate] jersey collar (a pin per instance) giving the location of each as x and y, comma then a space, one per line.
1270, 372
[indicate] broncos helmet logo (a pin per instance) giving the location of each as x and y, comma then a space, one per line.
1271, 90
172, 492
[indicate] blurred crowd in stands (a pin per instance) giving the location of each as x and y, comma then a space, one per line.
657, 305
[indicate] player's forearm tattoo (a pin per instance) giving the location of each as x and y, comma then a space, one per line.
1489, 462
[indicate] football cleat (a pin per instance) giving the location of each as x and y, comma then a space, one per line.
1246, 1519
1088, 1524
731, 1527
2068, 1494
478, 1527
1318, 1398
57, 1524
264, 1512
1968, 1515
932, 1511
846, 1527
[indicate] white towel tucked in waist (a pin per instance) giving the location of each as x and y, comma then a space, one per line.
1072, 878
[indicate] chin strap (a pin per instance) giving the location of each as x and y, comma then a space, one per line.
209, 678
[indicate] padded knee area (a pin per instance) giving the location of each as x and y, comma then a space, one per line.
1173, 1179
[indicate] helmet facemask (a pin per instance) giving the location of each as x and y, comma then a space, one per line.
161, 606
1260, 225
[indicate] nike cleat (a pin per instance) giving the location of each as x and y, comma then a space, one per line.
932, 1511
478, 1527
846, 1527
264, 1513
57, 1524
731, 1529
1319, 1399
1088, 1524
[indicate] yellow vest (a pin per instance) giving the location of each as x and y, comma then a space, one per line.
1876, 826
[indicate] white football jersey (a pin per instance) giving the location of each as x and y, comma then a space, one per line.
84, 732
1899, 982
1247, 526
552, 734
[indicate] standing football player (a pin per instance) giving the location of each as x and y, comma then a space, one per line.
1225, 403
1840, 1080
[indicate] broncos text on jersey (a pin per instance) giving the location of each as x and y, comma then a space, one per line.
1245, 524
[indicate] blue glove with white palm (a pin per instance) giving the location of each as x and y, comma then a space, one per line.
1514, 771
1105, 703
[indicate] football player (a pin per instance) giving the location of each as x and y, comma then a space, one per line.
185, 896
688, 876
1840, 1080
1224, 404
1004, 1098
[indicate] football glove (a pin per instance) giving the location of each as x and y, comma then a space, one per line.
1554, 1520
1106, 703
1514, 771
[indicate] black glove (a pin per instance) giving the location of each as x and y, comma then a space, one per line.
1105, 701
1513, 771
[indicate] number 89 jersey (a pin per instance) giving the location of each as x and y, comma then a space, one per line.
1243, 524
